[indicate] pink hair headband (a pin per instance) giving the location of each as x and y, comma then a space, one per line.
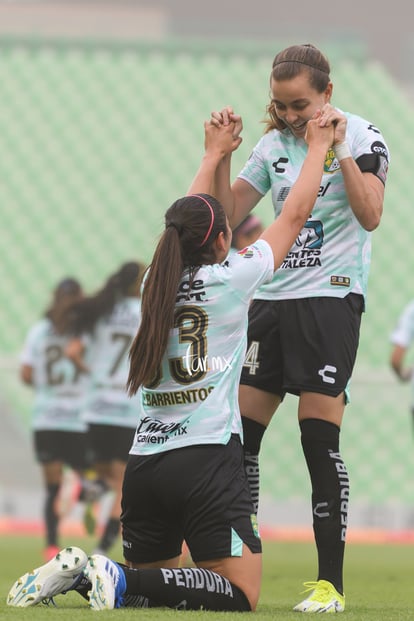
212, 218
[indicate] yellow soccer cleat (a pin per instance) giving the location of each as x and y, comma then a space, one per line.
324, 598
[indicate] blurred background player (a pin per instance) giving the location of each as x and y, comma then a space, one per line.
59, 433
105, 324
402, 338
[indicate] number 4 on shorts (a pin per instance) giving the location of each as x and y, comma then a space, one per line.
251, 360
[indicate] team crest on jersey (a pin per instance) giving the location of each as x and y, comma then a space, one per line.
331, 163
246, 253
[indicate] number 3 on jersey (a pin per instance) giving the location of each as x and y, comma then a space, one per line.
251, 360
192, 323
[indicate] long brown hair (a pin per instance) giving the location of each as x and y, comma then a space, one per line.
192, 224
293, 61
125, 282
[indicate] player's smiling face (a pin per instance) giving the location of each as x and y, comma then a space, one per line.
295, 101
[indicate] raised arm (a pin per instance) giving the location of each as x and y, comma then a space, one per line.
218, 143
238, 198
283, 231
365, 191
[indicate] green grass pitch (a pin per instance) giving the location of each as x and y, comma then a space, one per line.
378, 583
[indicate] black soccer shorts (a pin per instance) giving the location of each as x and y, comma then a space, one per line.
198, 494
307, 344
68, 447
110, 442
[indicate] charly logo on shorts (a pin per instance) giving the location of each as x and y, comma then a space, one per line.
325, 374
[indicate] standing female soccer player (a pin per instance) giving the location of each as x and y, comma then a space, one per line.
107, 323
59, 431
304, 325
185, 479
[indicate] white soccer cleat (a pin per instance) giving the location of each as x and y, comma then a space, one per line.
59, 575
324, 598
108, 583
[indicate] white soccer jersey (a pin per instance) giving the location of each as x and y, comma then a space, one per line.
195, 398
59, 387
107, 356
403, 333
331, 256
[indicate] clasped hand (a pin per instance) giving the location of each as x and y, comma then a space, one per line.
221, 137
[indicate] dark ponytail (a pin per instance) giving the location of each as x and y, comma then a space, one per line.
192, 224
125, 282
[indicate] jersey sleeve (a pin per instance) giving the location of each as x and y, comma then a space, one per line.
28, 353
368, 147
403, 334
251, 267
255, 170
